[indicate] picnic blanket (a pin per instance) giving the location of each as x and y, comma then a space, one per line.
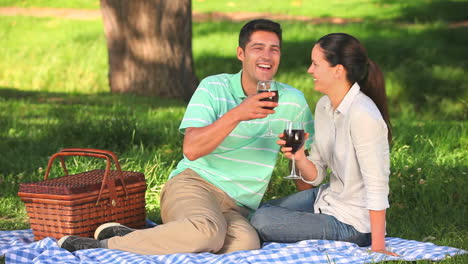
19, 247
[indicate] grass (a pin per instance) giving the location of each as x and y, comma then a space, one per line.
54, 94
81, 4
400, 10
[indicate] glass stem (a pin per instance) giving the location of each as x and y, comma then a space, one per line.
293, 167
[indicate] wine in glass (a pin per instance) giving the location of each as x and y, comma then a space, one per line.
294, 137
268, 86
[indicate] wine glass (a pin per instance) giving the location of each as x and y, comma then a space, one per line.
294, 137
268, 86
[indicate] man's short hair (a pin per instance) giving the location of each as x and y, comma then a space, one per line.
258, 25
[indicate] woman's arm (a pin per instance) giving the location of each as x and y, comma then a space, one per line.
377, 221
369, 136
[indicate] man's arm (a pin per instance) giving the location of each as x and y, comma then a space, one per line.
200, 141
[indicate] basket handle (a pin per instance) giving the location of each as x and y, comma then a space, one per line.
105, 152
97, 153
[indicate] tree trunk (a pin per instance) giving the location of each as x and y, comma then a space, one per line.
150, 47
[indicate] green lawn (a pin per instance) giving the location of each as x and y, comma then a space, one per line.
400, 10
54, 94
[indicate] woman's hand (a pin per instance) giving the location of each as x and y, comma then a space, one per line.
386, 252
377, 221
299, 155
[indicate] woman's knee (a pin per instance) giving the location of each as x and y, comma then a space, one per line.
261, 219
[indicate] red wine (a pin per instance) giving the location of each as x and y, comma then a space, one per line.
294, 139
270, 99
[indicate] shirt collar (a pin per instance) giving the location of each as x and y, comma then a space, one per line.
236, 85
349, 98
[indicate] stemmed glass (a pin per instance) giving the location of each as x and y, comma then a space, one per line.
294, 137
268, 86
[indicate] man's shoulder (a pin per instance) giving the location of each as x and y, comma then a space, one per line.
291, 91
221, 78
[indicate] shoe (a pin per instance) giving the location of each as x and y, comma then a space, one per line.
74, 243
109, 230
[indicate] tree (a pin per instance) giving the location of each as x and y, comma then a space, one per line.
150, 47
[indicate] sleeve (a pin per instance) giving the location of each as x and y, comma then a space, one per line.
319, 163
369, 137
315, 156
308, 122
201, 110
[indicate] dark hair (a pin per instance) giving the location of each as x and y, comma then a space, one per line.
258, 25
344, 49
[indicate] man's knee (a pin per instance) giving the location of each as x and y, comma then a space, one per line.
250, 241
210, 235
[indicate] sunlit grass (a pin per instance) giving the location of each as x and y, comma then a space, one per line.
54, 55
414, 11
84, 4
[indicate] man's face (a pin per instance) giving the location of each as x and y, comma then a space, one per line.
260, 58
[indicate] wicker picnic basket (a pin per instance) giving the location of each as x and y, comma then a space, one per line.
77, 204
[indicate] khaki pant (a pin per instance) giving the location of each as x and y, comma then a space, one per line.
197, 217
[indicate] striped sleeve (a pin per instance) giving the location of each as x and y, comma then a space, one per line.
200, 111
308, 123
305, 115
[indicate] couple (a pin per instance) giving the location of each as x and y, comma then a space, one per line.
227, 164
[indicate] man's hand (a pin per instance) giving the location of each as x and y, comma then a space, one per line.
252, 107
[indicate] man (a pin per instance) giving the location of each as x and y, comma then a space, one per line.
227, 161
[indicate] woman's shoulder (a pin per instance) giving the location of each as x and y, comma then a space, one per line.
323, 103
364, 113
364, 106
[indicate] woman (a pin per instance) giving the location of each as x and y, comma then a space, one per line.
352, 142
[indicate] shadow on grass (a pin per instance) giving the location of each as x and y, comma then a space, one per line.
421, 193
424, 66
8, 93
436, 10
38, 124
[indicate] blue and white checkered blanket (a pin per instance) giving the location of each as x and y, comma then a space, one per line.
19, 247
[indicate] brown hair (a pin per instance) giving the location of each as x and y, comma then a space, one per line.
344, 49
258, 25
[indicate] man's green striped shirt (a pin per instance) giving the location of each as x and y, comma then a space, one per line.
243, 163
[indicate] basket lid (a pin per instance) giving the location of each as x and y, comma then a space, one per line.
79, 183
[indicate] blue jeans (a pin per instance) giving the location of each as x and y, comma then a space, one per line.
291, 219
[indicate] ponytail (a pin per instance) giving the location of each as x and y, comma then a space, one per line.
373, 85
344, 49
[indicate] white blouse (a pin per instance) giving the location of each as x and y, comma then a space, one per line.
351, 142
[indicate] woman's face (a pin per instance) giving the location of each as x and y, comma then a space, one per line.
321, 71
